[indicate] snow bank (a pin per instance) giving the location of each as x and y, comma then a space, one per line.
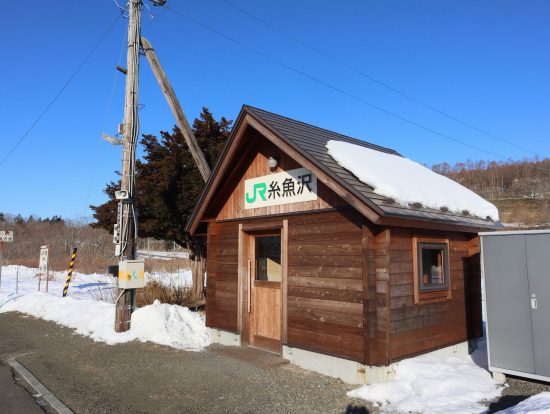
536, 404
169, 325
408, 182
433, 384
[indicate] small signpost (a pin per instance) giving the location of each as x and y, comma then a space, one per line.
5, 237
43, 265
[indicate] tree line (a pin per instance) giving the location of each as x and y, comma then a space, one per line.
493, 180
95, 246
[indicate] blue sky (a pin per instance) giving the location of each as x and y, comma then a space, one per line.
486, 63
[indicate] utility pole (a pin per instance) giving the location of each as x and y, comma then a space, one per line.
176, 108
128, 230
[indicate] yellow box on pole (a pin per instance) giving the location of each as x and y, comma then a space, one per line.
131, 274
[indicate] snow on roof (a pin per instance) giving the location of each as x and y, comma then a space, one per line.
408, 182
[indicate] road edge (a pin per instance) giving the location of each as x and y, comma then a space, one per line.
40, 388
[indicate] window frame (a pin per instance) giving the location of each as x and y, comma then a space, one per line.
257, 237
436, 293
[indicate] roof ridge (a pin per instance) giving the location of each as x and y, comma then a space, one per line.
347, 138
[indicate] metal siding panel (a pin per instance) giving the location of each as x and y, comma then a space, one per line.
507, 301
538, 269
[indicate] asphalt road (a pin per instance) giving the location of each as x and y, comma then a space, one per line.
92, 377
15, 399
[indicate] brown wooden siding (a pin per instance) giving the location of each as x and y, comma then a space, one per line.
416, 328
222, 276
325, 284
349, 284
234, 205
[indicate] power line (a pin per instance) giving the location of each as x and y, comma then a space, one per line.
105, 118
54, 99
373, 79
334, 88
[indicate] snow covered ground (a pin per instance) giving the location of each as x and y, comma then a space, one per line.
433, 384
425, 384
82, 286
536, 404
94, 286
179, 278
86, 311
168, 255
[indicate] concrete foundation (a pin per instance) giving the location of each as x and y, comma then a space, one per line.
353, 372
348, 371
499, 377
224, 338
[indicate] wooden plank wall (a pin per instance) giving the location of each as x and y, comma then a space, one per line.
222, 276
325, 283
432, 324
234, 206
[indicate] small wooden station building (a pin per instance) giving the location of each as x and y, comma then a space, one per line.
307, 261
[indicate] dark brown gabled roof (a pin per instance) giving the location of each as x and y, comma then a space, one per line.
310, 142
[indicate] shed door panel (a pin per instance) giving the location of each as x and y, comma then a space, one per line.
508, 306
538, 267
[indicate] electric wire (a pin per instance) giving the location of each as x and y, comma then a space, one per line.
120, 7
105, 119
334, 88
59, 93
372, 78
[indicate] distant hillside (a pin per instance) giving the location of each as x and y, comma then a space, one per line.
520, 189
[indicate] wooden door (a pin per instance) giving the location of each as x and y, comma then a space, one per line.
264, 281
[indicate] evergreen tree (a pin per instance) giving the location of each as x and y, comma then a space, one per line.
168, 184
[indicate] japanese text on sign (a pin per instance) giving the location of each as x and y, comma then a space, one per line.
6, 236
286, 187
43, 263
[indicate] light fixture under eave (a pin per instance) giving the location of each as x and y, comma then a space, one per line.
271, 162
111, 140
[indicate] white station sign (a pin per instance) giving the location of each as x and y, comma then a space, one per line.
286, 187
43, 264
6, 236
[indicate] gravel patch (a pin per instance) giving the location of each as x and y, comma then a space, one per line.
518, 389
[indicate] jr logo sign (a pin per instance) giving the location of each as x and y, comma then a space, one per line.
287, 187
259, 190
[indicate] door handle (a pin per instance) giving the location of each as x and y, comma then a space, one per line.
533, 301
249, 276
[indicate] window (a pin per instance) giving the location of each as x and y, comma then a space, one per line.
268, 258
431, 269
433, 266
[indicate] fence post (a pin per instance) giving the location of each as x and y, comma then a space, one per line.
70, 274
